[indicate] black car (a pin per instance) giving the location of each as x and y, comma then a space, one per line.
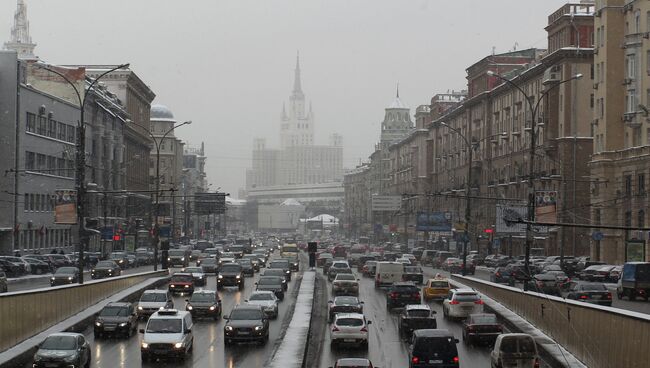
198, 275
271, 283
204, 303
246, 322
590, 292
278, 272
282, 264
416, 317
502, 275
433, 348
209, 265
120, 258
545, 283
10, 268
116, 318
230, 274
255, 261
344, 304
105, 269
481, 327
247, 267
65, 276
37, 266
413, 273
402, 294
65, 349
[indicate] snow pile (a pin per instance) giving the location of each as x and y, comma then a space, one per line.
291, 351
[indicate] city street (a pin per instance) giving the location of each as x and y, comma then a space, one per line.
209, 348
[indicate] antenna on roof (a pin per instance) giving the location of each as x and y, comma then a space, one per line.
493, 50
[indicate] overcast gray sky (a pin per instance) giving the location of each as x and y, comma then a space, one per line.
228, 65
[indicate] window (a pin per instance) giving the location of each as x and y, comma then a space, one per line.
31, 123
51, 165
37, 202
61, 131
71, 134
26, 203
30, 160
60, 165
42, 125
51, 129
628, 185
630, 101
591, 101
630, 65
641, 184
41, 163
641, 218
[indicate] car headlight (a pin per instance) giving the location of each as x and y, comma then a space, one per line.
238, 276
98, 324
258, 328
200, 277
220, 276
228, 328
288, 272
212, 308
110, 271
123, 324
52, 278
139, 308
172, 285
182, 259
178, 345
189, 307
70, 278
144, 345
187, 286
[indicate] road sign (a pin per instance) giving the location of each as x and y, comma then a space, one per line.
107, 233
386, 203
597, 236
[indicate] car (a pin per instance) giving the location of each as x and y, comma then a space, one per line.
271, 283
277, 272
65, 276
545, 283
116, 318
363, 259
602, 273
3, 281
282, 264
590, 292
404, 261
327, 264
634, 281
178, 257
209, 265
247, 267
37, 266
411, 257
416, 317
427, 257
120, 258
436, 288
254, 259
336, 267
460, 303
440, 258
152, 301
12, 269
401, 294
246, 322
204, 303
230, 274
343, 304
198, 275
614, 274
105, 269
413, 273
345, 284
563, 280
353, 363
267, 300
349, 328
502, 275
480, 328
181, 283
388, 273
514, 350
369, 269
63, 349
169, 334
194, 255
433, 348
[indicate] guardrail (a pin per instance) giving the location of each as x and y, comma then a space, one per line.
25, 313
596, 335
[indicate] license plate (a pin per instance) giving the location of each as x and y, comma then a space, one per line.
437, 361
244, 333
349, 340
596, 296
160, 351
51, 364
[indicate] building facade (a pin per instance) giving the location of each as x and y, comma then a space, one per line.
193, 181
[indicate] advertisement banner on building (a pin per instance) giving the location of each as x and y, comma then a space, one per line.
386, 203
635, 251
546, 206
65, 207
506, 214
434, 221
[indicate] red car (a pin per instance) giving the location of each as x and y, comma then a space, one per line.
181, 283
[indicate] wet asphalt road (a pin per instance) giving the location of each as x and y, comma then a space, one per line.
209, 350
385, 349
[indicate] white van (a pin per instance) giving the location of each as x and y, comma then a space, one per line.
168, 333
388, 272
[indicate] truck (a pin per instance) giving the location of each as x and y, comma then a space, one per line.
634, 281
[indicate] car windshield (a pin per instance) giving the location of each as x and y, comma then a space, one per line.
290, 249
261, 296
203, 297
593, 287
466, 297
345, 277
65, 270
117, 255
154, 297
279, 264
271, 280
164, 325
340, 265
209, 261
526, 345
349, 322
105, 264
272, 272
114, 312
486, 319
246, 314
419, 313
412, 269
176, 253
59, 343
227, 255
346, 300
194, 270
230, 267
428, 346
181, 278
439, 284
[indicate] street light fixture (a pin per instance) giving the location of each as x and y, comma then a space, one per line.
533, 129
157, 144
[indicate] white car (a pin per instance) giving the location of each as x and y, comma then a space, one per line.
267, 300
349, 328
404, 261
460, 303
411, 258
153, 300
516, 350
345, 284
169, 333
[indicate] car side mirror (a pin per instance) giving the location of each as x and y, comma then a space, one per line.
226, 317
255, 283
369, 322
329, 302
434, 312
141, 330
187, 300
361, 303
456, 341
245, 300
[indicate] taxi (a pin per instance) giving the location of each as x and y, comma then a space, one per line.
436, 288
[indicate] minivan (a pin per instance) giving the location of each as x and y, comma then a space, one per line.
387, 273
168, 333
516, 350
433, 348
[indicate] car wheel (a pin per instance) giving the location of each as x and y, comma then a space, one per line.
191, 349
632, 295
87, 365
144, 357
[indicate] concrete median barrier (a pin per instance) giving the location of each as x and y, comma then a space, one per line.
24, 314
598, 336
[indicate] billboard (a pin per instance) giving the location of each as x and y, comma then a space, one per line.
386, 203
65, 207
546, 206
635, 251
209, 203
510, 213
434, 221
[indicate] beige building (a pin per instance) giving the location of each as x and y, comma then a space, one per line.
620, 164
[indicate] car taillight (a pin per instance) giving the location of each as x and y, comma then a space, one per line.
608, 295
583, 297
456, 360
497, 274
364, 329
415, 360
480, 301
416, 295
536, 362
393, 295
335, 329
454, 302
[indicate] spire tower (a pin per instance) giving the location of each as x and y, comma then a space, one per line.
21, 41
297, 85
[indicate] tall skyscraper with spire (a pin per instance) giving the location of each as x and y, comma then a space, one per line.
297, 124
21, 41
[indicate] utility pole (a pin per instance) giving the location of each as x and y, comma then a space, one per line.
105, 209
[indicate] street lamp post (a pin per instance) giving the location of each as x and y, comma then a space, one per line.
471, 145
80, 159
531, 163
156, 238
